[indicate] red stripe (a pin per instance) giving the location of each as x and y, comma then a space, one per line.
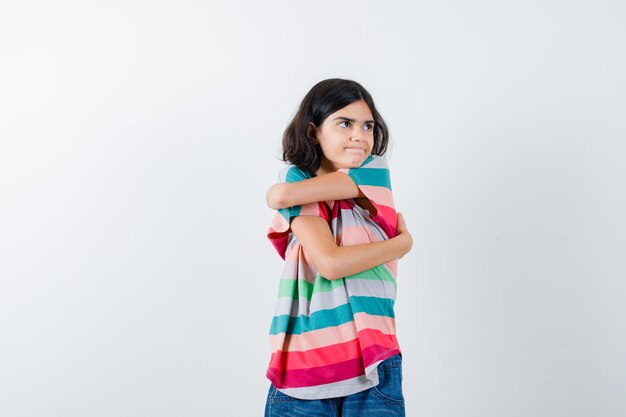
316, 376
331, 354
331, 373
370, 337
280, 240
387, 218
378, 353
340, 204
327, 355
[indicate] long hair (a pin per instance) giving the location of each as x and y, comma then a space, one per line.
324, 99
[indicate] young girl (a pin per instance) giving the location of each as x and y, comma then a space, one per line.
334, 350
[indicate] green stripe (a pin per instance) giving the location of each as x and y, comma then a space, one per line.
379, 272
333, 317
302, 288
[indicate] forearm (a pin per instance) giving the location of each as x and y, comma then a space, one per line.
333, 261
327, 187
350, 260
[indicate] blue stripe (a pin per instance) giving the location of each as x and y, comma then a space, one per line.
372, 305
371, 176
290, 212
333, 317
295, 174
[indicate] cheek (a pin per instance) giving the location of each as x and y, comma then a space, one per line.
326, 148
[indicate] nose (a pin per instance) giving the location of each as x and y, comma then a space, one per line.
357, 134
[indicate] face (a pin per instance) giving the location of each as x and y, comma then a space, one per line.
346, 137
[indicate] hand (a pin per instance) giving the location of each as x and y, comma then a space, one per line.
403, 232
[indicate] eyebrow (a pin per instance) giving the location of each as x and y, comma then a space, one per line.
347, 119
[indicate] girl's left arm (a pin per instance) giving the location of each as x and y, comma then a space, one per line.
332, 186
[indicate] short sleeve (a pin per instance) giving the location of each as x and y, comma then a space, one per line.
280, 226
374, 180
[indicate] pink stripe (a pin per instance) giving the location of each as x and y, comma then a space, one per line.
311, 209
331, 335
298, 254
293, 254
314, 339
279, 224
392, 267
384, 324
358, 234
377, 194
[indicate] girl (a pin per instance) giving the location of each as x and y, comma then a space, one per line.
334, 350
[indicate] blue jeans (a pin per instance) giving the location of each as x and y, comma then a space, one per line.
383, 400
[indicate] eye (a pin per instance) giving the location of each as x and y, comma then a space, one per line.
345, 123
369, 126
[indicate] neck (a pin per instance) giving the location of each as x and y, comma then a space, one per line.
326, 167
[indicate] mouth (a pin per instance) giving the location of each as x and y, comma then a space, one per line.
355, 149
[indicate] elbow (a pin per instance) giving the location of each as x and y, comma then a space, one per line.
277, 197
330, 269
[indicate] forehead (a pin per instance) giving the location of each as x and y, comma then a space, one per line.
357, 110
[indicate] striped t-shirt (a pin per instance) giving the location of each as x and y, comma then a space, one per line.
328, 337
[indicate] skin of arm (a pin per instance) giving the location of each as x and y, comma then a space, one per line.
334, 262
327, 187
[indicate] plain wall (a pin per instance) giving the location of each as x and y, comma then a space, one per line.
137, 140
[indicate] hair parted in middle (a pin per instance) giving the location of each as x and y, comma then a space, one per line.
325, 98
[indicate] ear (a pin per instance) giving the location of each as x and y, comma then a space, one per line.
311, 131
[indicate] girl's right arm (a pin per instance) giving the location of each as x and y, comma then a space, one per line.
327, 187
334, 262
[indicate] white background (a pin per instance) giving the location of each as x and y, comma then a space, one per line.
137, 140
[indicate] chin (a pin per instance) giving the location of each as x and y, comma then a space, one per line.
356, 164
352, 164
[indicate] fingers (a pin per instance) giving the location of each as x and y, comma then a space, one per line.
401, 227
401, 219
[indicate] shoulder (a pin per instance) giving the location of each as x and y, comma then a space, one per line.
374, 171
291, 173
375, 161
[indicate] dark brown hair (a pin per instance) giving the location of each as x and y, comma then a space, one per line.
325, 98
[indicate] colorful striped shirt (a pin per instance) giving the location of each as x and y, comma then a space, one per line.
328, 337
